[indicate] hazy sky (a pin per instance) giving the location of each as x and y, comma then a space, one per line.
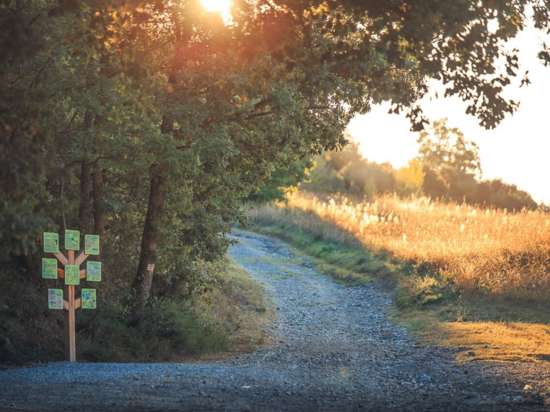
517, 150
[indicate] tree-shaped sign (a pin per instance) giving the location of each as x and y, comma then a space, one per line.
72, 274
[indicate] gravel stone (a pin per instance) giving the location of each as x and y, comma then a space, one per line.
335, 350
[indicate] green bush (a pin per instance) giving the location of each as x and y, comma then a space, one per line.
169, 330
227, 313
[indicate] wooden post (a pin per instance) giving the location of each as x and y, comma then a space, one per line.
72, 274
71, 317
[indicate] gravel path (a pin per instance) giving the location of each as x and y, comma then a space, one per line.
335, 349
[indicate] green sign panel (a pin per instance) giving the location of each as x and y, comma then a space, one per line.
88, 298
55, 298
93, 271
72, 275
51, 242
49, 268
91, 244
72, 239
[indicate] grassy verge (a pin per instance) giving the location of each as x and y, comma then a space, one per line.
239, 304
482, 327
335, 252
229, 315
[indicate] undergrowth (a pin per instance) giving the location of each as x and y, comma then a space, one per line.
229, 315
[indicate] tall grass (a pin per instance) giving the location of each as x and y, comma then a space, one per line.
487, 251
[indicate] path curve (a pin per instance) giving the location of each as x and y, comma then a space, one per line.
334, 349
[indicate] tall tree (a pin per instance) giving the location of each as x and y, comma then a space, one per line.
450, 162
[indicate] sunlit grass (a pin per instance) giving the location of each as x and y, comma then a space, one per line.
499, 341
489, 251
482, 340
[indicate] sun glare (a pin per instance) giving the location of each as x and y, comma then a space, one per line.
223, 7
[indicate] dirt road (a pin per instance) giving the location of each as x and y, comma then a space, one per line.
334, 349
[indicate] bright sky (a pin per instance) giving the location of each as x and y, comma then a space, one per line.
223, 7
517, 150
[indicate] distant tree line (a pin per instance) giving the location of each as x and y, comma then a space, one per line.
447, 167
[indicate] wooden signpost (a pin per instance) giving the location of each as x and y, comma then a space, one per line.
72, 274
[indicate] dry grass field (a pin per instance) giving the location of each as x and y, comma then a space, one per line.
478, 279
478, 250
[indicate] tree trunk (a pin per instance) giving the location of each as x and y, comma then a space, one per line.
98, 202
144, 277
85, 208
